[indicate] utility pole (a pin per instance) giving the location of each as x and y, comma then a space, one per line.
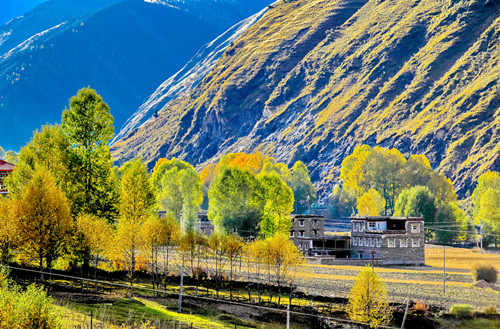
481, 234
444, 269
406, 312
288, 316
182, 283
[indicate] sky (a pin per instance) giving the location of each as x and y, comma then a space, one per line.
10, 9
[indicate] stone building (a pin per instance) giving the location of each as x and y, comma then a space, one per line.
204, 225
307, 226
394, 240
5, 170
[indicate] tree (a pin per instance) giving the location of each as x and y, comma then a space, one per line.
233, 246
48, 148
284, 259
415, 202
487, 181
8, 232
278, 205
95, 233
368, 300
417, 171
44, 222
192, 244
11, 157
235, 202
271, 166
155, 233
2, 153
489, 215
303, 190
179, 189
192, 198
89, 127
172, 235
137, 198
384, 170
353, 172
124, 247
217, 246
446, 218
137, 201
341, 203
371, 203
442, 187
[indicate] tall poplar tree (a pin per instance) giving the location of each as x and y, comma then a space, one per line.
303, 190
89, 127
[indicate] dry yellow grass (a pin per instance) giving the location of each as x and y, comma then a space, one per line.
352, 278
459, 258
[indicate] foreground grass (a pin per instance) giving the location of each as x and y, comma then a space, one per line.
474, 324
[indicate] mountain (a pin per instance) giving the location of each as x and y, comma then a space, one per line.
43, 17
312, 79
123, 49
10, 9
188, 77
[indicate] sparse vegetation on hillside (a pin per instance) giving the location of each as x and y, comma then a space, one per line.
313, 78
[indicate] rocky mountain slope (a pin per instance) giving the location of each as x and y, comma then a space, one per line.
315, 78
122, 48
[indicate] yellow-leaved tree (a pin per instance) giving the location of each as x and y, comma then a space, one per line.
137, 202
7, 230
156, 235
368, 300
95, 233
284, 261
44, 222
371, 204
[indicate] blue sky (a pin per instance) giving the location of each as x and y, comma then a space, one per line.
10, 9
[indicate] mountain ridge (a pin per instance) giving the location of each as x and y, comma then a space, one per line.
123, 49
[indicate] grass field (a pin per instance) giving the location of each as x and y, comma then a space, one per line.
422, 284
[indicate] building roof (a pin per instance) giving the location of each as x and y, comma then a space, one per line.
386, 218
6, 166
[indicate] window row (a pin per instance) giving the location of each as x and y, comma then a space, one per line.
391, 243
368, 242
358, 227
303, 233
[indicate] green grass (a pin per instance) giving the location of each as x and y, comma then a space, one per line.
130, 311
475, 324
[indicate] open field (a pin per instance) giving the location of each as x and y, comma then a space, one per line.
422, 284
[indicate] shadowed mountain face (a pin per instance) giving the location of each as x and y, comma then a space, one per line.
123, 49
181, 83
313, 79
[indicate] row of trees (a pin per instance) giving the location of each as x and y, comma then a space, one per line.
382, 181
67, 201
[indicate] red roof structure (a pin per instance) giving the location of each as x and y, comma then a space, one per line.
6, 166
5, 170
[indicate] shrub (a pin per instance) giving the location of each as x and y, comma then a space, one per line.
484, 272
25, 309
420, 308
490, 310
462, 311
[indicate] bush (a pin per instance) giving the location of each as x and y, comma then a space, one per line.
25, 309
484, 272
462, 311
490, 310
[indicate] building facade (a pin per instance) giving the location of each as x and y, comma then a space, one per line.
394, 240
5, 170
309, 226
